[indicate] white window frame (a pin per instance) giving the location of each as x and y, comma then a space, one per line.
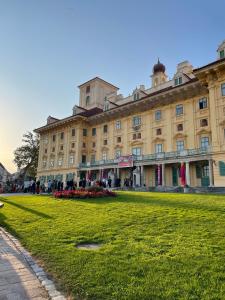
223, 89
104, 155
204, 102
136, 120
178, 80
71, 159
60, 162
180, 145
118, 124
178, 108
203, 143
158, 115
117, 153
136, 151
158, 148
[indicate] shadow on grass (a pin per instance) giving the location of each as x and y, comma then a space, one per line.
30, 210
156, 200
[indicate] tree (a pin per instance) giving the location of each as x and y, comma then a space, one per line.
26, 156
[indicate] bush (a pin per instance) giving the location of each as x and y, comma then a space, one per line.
95, 189
82, 194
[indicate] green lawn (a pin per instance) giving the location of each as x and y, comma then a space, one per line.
155, 246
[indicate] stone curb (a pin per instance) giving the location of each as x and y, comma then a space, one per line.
38, 271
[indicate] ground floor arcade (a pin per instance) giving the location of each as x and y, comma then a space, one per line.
196, 173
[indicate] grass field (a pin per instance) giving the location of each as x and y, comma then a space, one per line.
155, 246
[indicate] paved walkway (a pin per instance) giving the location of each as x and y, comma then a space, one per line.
17, 279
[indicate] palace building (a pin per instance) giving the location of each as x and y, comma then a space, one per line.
168, 135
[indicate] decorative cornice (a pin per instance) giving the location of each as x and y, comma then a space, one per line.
180, 135
203, 130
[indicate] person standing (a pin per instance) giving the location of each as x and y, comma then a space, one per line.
109, 182
38, 187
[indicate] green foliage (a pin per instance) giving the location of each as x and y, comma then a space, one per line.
26, 156
155, 246
95, 189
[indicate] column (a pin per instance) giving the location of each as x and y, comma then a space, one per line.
163, 174
182, 174
142, 175
211, 179
159, 174
187, 173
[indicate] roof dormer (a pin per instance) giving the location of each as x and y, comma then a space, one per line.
221, 50
184, 73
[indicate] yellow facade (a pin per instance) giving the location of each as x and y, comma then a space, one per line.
178, 122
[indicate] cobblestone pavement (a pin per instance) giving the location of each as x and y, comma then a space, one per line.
17, 279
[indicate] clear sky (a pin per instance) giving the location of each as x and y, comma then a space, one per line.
49, 47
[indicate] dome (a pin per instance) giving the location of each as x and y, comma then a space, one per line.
159, 68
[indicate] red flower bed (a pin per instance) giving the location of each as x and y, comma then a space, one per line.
82, 193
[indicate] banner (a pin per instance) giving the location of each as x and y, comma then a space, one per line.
125, 161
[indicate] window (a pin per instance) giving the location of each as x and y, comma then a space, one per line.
92, 158
205, 171
106, 105
45, 140
53, 149
222, 168
105, 142
60, 162
136, 96
179, 110
53, 137
72, 145
52, 163
84, 132
139, 135
88, 88
93, 144
158, 148
203, 122
61, 147
44, 163
119, 139
62, 135
178, 80
202, 103
83, 159
117, 153
134, 136
158, 131
73, 132
118, 124
71, 159
136, 121
204, 142
84, 145
180, 145
87, 100
104, 156
136, 151
93, 131
224, 110
179, 127
46, 150
105, 128
158, 115
223, 89
222, 54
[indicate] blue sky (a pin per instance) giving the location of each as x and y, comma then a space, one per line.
48, 48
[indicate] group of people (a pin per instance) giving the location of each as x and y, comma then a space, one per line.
37, 186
